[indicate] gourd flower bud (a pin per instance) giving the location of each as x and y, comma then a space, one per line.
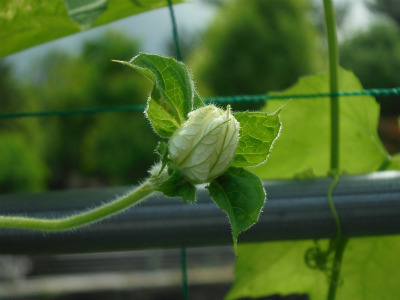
203, 147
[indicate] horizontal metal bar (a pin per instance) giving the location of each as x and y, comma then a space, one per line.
295, 209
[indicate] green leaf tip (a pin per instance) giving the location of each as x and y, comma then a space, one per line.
241, 195
162, 150
173, 95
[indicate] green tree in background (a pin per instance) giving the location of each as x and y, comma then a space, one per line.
374, 56
21, 168
113, 148
256, 46
390, 8
21, 141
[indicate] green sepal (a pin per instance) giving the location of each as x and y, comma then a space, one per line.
197, 102
174, 184
162, 150
173, 95
258, 132
241, 195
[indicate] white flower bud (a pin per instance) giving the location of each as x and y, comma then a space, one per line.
204, 146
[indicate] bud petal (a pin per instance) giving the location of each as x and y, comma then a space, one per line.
204, 146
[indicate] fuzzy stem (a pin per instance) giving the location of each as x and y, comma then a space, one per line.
79, 219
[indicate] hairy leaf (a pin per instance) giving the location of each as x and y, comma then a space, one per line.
173, 95
241, 195
258, 132
29, 23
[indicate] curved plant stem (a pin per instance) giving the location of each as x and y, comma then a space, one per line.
79, 219
338, 245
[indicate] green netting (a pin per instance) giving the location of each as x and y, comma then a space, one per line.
217, 100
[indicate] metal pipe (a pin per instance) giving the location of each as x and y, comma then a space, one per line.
295, 209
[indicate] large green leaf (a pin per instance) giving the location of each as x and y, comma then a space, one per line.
370, 270
85, 12
241, 195
173, 95
370, 267
258, 131
304, 144
26, 23
277, 267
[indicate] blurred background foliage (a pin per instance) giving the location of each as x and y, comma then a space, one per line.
87, 149
256, 46
388, 8
251, 47
78, 150
22, 164
374, 56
